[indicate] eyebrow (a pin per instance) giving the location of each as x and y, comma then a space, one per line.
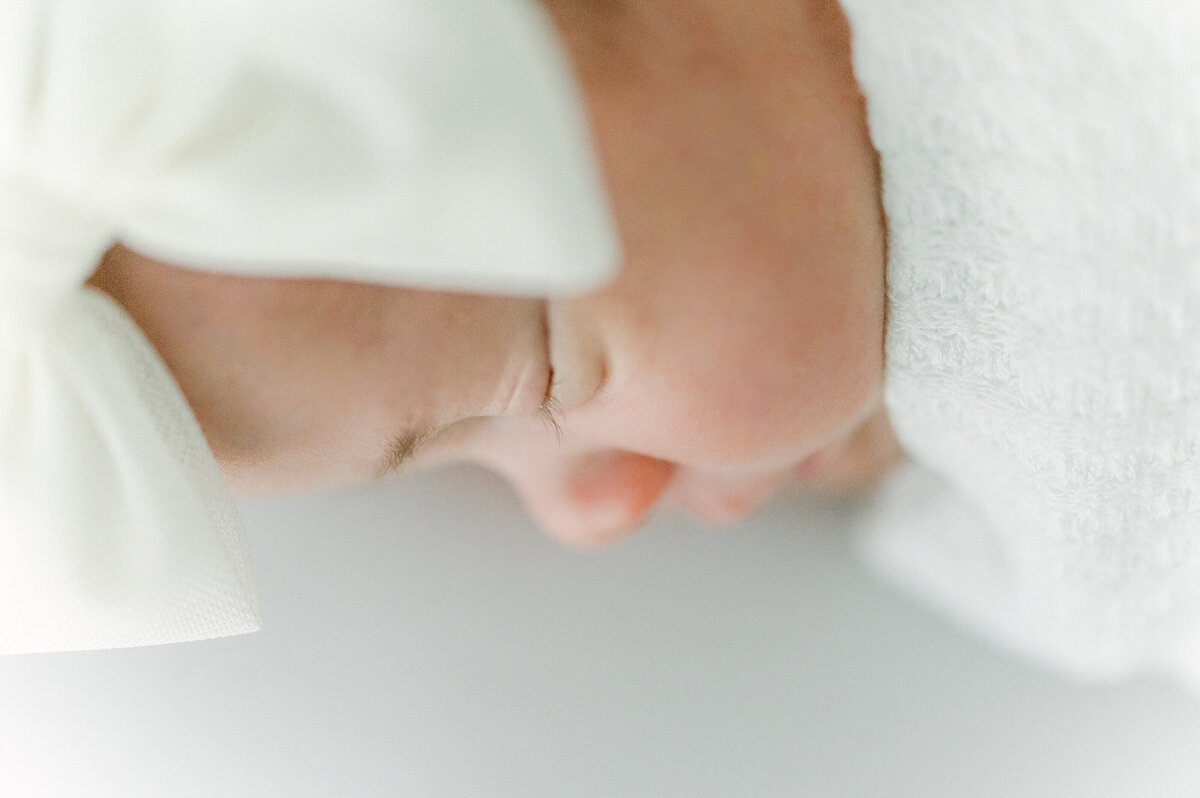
402, 448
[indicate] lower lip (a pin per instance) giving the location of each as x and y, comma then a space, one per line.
810, 466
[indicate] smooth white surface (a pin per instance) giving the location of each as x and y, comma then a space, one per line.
423, 640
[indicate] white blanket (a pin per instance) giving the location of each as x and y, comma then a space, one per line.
1041, 180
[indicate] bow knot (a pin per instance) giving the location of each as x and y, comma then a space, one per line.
48, 247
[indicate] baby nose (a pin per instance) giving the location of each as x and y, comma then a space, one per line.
602, 497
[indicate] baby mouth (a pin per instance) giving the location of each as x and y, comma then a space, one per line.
810, 467
719, 498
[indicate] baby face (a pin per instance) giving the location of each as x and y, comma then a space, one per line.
740, 345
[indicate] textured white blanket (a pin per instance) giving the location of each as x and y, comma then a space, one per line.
1041, 177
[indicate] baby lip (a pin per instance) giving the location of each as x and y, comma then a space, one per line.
810, 467
725, 509
718, 500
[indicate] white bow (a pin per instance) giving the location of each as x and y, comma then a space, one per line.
434, 143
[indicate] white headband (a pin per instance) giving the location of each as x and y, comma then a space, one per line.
433, 143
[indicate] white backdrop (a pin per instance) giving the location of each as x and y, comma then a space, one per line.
422, 639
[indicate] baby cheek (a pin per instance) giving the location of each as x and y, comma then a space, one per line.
749, 419
710, 418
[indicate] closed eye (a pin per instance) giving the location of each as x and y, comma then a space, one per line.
404, 446
402, 449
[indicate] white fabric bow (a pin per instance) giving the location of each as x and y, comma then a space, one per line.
434, 143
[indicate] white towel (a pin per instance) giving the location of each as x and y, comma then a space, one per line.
1041, 182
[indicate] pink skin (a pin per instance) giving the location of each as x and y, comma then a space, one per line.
740, 347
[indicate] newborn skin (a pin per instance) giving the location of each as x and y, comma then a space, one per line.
739, 349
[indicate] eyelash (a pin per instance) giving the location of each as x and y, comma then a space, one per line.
550, 410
